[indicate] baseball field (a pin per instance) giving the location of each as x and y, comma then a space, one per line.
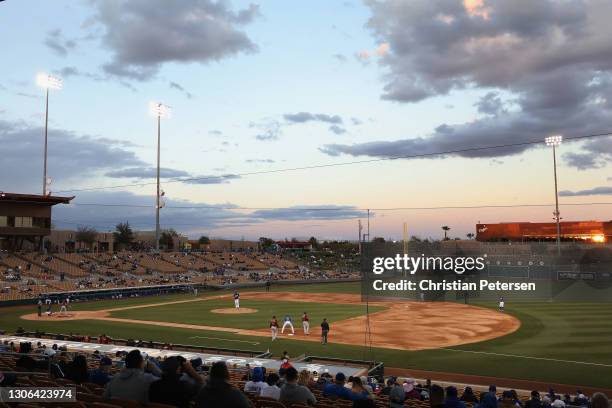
563, 343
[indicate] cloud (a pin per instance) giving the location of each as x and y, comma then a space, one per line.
266, 161
142, 35
186, 216
302, 117
69, 71
269, 129
594, 154
527, 52
356, 121
340, 57
71, 156
221, 179
604, 190
325, 212
177, 86
490, 104
146, 173
337, 129
215, 132
58, 44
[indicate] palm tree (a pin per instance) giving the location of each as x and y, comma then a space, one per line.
446, 228
470, 235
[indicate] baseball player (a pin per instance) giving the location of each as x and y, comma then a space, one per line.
306, 323
287, 321
49, 305
63, 307
274, 327
501, 304
39, 307
237, 300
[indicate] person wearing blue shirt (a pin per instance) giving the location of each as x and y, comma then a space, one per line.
338, 390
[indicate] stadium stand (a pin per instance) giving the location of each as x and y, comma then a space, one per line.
122, 379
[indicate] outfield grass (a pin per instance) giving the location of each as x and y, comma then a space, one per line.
553, 339
200, 313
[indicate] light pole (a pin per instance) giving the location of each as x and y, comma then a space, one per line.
47, 82
159, 110
554, 141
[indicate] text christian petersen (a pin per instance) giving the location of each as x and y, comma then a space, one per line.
405, 264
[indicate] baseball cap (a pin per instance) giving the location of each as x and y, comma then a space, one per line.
340, 377
105, 361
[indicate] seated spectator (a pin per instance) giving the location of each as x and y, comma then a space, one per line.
272, 390
132, 382
507, 400
468, 396
218, 392
367, 401
294, 393
389, 383
488, 400
397, 396
535, 401
557, 402
170, 389
77, 370
409, 389
581, 400
599, 400
256, 384
305, 379
338, 390
452, 399
101, 375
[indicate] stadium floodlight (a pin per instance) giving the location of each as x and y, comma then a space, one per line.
47, 82
554, 142
159, 110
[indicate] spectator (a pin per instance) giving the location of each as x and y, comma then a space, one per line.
436, 396
535, 401
469, 397
397, 396
411, 392
358, 389
101, 375
76, 370
507, 400
599, 400
304, 378
294, 393
388, 386
488, 400
338, 390
272, 390
452, 398
581, 400
132, 382
218, 392
170, 389
256, 384
557, 402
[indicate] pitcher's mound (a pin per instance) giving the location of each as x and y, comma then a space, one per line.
233, 310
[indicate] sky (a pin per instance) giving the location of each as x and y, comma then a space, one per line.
260, 87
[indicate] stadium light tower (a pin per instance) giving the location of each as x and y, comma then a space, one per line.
554, 142
158, 110
47, 82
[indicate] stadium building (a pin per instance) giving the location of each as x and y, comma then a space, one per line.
26, 218
581, 231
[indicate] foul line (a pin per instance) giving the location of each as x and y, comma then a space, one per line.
255, 343
527, 357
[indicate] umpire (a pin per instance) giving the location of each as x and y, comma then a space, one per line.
324, 331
